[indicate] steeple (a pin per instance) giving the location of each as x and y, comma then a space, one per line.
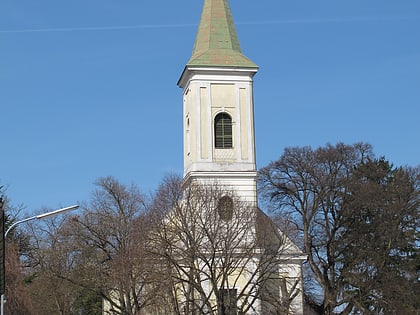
217, 42
219, 154
219, 144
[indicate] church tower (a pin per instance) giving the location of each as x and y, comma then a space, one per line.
217, 83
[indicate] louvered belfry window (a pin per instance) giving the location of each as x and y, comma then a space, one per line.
223, 131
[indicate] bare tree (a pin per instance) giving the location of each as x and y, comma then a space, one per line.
54, 284
222, 254
195, 250
358, 218
308, 187
111, 235
101, 253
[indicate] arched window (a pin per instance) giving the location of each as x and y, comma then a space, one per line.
223, 131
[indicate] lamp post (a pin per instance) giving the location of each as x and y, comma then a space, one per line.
36, 217
2, 276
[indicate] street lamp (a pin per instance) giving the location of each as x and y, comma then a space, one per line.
36, 217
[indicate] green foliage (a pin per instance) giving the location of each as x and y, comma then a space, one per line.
88, 303
380, 243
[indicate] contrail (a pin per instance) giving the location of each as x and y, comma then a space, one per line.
96, 28
333, 20
269, 22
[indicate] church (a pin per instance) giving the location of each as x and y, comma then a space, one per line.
217, 251
219, 151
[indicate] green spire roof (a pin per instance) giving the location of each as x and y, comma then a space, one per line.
217, 42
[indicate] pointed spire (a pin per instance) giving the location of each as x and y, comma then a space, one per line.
217, 42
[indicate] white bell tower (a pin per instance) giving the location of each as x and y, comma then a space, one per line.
219, 141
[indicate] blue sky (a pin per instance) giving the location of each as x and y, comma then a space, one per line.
88, 88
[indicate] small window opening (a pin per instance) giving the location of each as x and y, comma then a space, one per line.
223, 131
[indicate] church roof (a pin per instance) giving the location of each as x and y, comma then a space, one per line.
272, 239
217, 42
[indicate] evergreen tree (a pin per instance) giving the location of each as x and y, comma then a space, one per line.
380, 243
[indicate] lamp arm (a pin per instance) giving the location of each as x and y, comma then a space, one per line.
16, 223
41, 216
